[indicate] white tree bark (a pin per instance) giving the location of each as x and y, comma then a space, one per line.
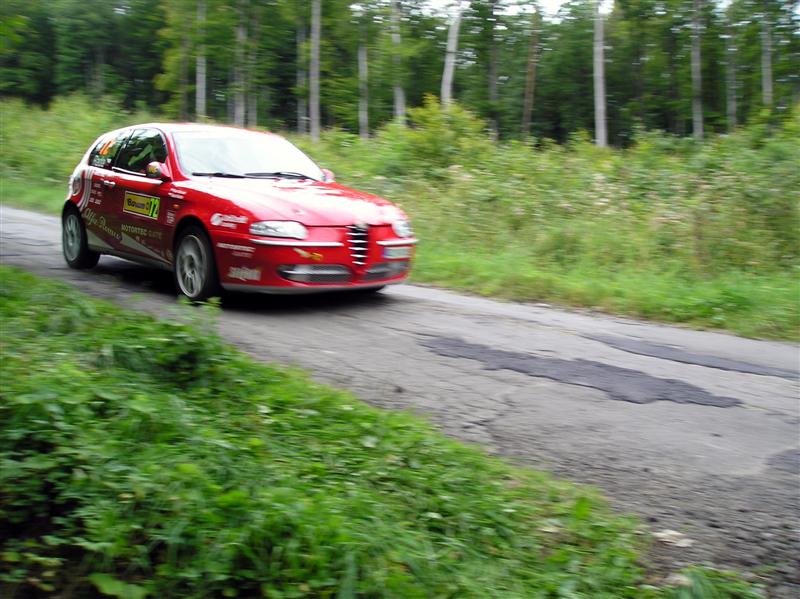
530, 80
239, 104
601, 135
200, 64
493, 97
697, 86
399, 91
313, 96
302, 77
450, 57
363, 90
766, 59
730, 75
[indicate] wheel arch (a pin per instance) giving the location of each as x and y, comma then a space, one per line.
188, 221
70, 205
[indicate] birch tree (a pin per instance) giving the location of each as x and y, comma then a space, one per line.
397, 62
530, 79
730, 71
313, 96
697, 90
239, 107
450, 56
766, 57
492, 71
301, 79
200, 64
601, 136
363, 86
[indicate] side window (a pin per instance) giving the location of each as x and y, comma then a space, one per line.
103, 153
143, 147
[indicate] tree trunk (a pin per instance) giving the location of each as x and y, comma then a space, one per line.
252, 109
530, 80
601, 136
697, 90
200, 64
239, 107
766, 59
399, 92
363, 90
492, 75
302, 108
316, 18
730, 75
450, 57
183, 104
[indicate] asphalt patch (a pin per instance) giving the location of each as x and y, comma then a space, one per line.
674, 354
621, 384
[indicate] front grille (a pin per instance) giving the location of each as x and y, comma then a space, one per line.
358, 241
385, 270
315, 273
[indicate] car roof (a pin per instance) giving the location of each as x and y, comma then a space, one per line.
176, 127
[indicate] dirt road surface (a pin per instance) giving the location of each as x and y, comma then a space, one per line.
697, 432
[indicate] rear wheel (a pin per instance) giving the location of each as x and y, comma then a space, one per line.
73, 241
194, 269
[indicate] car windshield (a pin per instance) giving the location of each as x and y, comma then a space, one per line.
228, 152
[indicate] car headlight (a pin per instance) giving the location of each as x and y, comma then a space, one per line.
402, 228
279, 228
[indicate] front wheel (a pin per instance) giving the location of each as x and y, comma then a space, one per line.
195, 271
73, 241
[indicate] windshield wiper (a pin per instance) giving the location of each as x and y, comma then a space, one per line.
280, 175
219, 174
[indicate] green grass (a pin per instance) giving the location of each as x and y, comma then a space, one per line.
702, 234
142, 458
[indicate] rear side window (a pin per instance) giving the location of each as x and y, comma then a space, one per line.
105, 151
143, 147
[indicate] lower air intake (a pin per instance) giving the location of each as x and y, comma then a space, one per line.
315, 273
385, 270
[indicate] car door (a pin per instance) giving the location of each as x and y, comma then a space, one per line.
98, 199
140, 200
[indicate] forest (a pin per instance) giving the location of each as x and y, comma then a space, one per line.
681, 66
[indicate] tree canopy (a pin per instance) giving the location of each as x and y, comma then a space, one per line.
143, 53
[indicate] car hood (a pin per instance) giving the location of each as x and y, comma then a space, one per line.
312, 203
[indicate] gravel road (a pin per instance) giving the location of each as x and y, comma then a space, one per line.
697, 432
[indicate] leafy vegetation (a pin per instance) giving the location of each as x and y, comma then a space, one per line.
706, 234
142, 458
256, 60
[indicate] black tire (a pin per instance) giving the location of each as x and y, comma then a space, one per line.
195, 270
73, 241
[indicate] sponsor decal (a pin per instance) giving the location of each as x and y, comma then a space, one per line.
236, 248
141, 205
244, 274
170, 217
99, 222
314, 256
141, 231
240, 251
88, 192
228, 221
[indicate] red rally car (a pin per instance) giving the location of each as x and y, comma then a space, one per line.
222, 206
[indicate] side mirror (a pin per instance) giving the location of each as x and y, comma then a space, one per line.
327, 176
159, 170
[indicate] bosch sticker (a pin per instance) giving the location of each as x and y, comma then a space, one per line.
141, 205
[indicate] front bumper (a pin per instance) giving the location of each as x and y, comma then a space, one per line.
326, 261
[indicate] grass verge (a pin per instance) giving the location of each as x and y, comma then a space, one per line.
146, 458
